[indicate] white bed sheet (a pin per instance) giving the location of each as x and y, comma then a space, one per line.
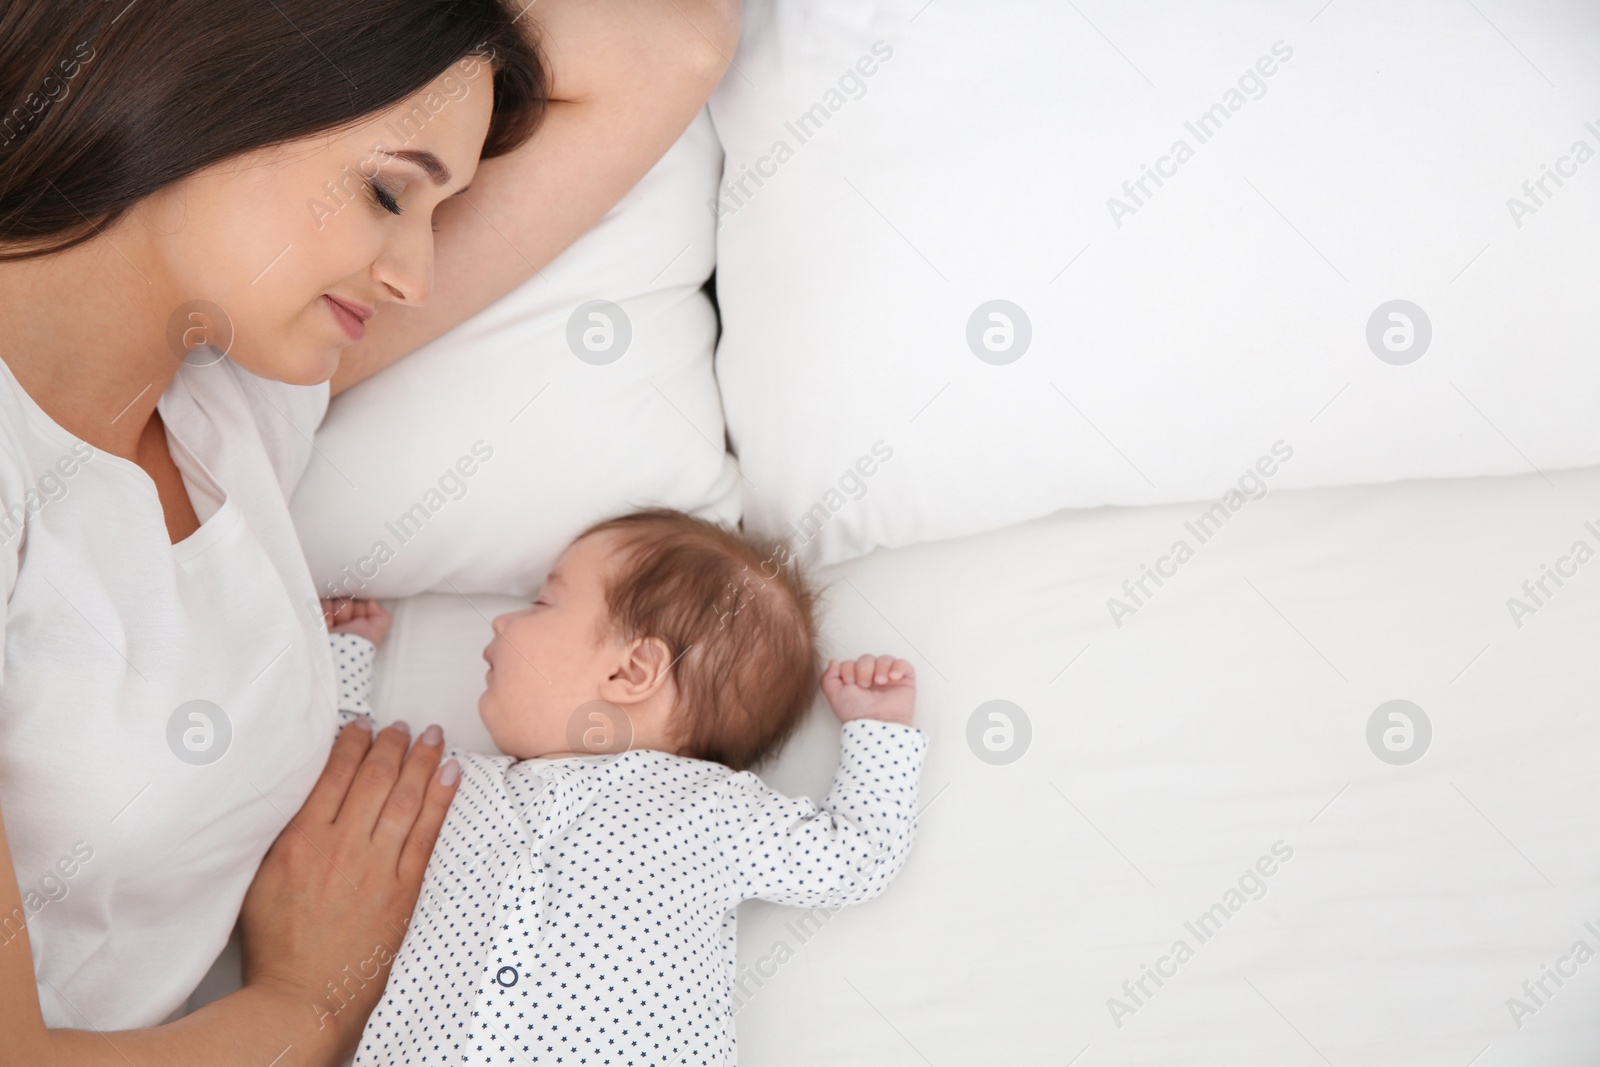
1167, 756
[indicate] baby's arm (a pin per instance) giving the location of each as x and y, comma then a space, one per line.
847, 850
353, 656
355, 629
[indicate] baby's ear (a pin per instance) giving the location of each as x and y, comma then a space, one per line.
645, 666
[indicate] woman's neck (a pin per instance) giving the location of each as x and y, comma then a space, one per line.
85, 333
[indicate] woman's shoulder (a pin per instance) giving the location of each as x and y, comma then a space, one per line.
32, 447
36, 460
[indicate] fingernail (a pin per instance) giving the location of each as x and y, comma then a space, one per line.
432, 735
365, 722
449, 772
401, 725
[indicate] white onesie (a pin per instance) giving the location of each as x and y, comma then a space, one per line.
581, 910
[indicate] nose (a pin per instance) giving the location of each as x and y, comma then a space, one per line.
405, 268
498, 624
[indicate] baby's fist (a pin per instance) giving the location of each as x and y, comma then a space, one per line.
872, 687
364, 618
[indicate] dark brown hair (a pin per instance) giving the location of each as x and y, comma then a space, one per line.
105, 101
737, 615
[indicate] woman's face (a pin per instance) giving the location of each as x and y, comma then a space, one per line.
277, 256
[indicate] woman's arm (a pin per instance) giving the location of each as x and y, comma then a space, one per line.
370, 822
626, 79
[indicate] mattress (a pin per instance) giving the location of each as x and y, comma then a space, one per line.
1196, 834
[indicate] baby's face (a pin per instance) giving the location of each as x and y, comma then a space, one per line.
546, 661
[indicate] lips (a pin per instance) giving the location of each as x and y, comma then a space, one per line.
351, 317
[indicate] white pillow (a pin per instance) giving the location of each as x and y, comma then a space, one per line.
468, 465
894, 167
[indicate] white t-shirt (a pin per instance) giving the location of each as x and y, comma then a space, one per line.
164, 709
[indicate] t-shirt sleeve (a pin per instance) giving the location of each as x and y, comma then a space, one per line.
287, 417
790, 850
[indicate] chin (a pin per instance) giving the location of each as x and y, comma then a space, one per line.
308, 365
314, 371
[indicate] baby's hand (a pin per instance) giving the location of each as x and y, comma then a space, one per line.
364, 618
872, 687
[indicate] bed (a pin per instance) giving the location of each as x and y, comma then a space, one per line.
1242, 526
1227, 721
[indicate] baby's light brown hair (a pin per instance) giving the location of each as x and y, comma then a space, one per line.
737, 614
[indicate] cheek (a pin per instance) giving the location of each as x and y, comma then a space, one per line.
252, 233
258, 256
303, 229
528, 654
337, 236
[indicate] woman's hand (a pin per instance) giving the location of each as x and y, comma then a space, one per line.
325, 915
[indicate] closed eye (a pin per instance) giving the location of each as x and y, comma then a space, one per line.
387, 201
384, 198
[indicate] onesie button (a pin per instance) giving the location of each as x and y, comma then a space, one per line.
506, 976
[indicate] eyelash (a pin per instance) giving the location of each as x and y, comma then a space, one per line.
384, 199
387, 201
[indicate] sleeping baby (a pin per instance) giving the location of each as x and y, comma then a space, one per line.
579, 904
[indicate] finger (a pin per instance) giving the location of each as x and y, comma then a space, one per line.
830, 680
904, 671
864, 667
405, 799
349, 749
425, 831
379, 771
344, 613
847, 672
881, 675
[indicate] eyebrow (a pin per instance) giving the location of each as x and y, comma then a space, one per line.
554, 579
437, 171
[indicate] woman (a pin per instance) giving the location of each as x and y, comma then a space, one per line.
261, 178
